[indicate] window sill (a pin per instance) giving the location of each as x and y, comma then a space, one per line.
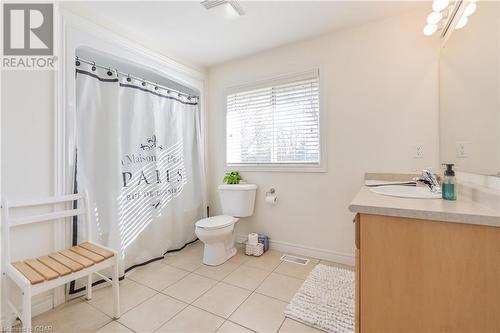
295, 168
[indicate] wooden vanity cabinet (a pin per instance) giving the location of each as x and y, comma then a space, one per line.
426, 276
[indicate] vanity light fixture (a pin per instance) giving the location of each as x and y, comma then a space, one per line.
434, 19
444, 14
469, 10
440, 5
232, 7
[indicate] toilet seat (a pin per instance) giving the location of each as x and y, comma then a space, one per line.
216, 222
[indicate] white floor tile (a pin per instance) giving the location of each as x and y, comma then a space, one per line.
280, 286
222, 299
260, 313
216, 272
189, 288
74, 316
246, 277
131, 294
157, 275
230, 327
114, 327
192, 320
292, 326
151, 314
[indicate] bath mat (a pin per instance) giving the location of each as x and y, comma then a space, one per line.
326, 300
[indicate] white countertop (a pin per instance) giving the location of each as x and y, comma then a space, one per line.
460, 211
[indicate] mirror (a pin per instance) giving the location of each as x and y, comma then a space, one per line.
469, 89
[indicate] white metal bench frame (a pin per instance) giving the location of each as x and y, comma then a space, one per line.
28, 290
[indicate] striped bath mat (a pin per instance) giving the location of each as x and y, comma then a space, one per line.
325, 300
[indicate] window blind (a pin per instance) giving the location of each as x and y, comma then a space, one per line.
275, 124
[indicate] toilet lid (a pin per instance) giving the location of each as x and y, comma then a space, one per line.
216, 222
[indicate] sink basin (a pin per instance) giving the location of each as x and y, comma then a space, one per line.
406, 192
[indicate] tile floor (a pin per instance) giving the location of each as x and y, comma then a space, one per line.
180, 294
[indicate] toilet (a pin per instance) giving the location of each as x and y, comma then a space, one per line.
217, 232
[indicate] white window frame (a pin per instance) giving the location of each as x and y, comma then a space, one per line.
281, 167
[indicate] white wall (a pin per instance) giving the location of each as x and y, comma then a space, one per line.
27, 156
380, 95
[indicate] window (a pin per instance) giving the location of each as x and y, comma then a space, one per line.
275, 123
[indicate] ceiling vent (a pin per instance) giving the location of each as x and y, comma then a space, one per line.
209, 4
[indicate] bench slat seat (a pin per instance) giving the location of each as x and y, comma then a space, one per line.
61, 263
46, 272
76, 257
54, 265
96, 249
73, 265
96, 258
33, 276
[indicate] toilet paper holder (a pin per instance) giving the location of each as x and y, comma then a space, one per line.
271, 191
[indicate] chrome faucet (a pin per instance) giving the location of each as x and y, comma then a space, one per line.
429, 178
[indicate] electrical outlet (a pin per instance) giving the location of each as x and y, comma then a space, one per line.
462, 149
418, 151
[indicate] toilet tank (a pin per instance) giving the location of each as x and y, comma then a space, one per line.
237, 200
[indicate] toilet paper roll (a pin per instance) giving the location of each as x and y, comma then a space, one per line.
253, 239
271, 199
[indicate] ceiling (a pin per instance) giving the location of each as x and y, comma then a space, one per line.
187, 32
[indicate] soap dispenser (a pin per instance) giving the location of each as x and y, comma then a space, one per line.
448, 186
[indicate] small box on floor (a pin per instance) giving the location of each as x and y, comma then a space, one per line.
256, 244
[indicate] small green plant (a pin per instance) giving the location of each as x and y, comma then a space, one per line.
232, 177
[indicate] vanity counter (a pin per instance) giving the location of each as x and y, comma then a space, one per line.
460, 211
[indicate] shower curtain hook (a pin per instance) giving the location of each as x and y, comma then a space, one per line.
109, 71
93, 66
143, 83
128, 78
77, 62
156, 86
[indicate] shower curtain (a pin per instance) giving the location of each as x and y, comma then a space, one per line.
140, 158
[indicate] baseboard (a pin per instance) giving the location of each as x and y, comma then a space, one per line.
42, 305
341, 258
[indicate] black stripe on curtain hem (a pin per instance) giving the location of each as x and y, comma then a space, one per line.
79, 71
72, 289
96, 76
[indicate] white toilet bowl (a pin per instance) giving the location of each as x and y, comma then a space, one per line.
217, 233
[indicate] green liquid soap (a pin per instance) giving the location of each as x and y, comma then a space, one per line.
448, 191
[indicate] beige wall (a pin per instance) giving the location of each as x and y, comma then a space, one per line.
469, 93
380, 96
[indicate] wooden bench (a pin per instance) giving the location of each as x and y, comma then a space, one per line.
36, 275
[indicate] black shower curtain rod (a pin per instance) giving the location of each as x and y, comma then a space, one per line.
128, 76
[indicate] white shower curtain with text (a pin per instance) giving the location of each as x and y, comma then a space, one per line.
139, 156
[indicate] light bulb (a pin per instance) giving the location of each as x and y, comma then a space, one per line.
471, 8
434, 18
231, 13
462, 22
429, 29
440, 5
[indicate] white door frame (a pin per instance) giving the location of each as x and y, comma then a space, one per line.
72, 32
